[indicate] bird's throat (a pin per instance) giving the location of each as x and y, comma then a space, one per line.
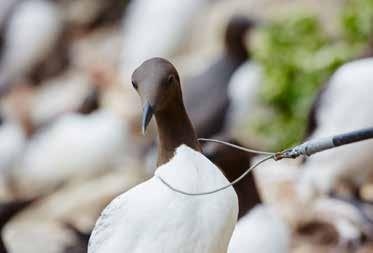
174, 129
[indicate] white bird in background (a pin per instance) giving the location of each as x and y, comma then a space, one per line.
243, 92
73, 146
82, 142
59, 96
151, 217
345, 105
260, 230
156, 28
31, 33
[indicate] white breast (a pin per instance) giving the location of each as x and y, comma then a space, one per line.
153, 218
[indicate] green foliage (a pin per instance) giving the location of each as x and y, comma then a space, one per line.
298, 57
357, 20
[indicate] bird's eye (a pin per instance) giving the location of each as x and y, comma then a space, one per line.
170, 79
134, 85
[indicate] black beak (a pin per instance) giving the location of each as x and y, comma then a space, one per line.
146, 116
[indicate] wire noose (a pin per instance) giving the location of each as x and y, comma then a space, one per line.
218, 189
269, 156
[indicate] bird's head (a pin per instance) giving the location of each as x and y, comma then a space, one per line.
236, 33
158, 85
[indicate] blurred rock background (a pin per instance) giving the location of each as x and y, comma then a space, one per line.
70, 120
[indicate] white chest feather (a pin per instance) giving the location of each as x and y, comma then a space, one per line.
153, 218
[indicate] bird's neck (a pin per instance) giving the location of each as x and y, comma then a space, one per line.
236, 51
174, 129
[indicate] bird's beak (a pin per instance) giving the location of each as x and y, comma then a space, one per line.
146, 116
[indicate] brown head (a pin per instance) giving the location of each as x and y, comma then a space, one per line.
158, 84
237, 30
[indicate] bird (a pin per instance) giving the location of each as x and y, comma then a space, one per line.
31, 32
344, 105
18, 124
68, 93
147, 216
93, 142
209, 89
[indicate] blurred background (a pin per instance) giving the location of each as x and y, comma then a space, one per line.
267, 74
